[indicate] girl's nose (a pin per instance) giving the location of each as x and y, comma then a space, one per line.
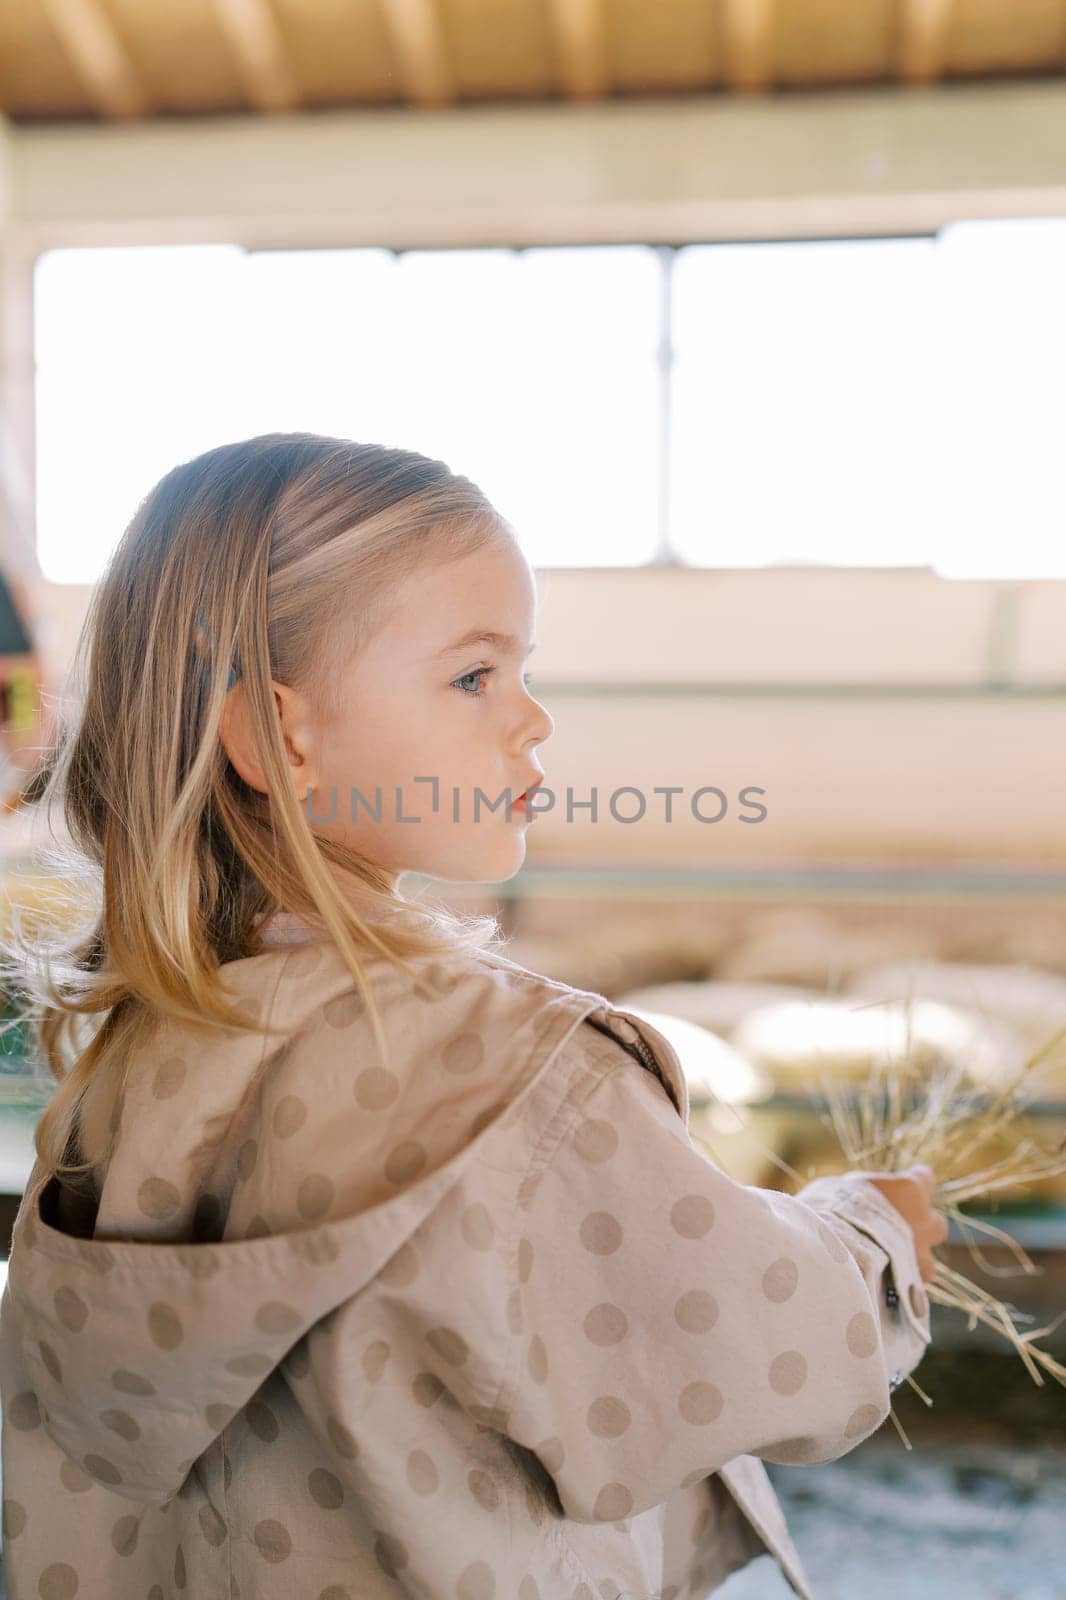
543, 722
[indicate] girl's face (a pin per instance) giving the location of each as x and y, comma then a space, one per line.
431, 714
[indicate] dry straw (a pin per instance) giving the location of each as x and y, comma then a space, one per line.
911, 1110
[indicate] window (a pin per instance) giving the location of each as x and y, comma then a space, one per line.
532, 372
876, 402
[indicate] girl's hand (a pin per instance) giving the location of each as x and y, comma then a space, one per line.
911, 1192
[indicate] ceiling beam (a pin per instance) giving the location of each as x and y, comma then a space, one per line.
418, 49
577, 27
747, 34
923, 35
88, 36
258, 51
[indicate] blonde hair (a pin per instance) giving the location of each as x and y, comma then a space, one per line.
271, 558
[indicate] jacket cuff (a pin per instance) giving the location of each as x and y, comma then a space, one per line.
905, 1309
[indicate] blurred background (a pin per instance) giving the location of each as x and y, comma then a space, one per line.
749, 316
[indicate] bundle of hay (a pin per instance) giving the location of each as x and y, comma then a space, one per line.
891, 1108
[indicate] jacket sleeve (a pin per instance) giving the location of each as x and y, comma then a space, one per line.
674, 1318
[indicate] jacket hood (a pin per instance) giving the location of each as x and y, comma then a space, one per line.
140, 1327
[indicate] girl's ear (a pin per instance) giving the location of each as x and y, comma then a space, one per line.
240, 745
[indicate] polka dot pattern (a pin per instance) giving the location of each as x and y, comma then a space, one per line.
70, 1308
276, 1317
103, 1470
58, 1582
537, 1360
605, 1324
614, 1500
477, 1227
164, 1326
449, 1344
212, 1526
314, 1196
608, 1417
596, 1140
24, 1412
122, 1423
422, 1474
692, 1216
780, 1279
862, 1420
74, 1478
289, 1116
483, 1488
376, 1089
788, 1372
124, 1535
700, 1403
427, 1388
325, 1489
696, 1311
168, 1078
463, 1054
272, 1540
51, 1361
344, 1010
405, 1162
262, 1421
476, 1582
158, 1199
14, 1518
601, 1233
861, 1334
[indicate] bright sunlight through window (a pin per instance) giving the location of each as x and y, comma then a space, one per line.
531, 372
863, 403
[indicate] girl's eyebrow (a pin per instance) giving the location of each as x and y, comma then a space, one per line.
502, 641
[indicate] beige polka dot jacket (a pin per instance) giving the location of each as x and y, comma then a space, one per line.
486, 1325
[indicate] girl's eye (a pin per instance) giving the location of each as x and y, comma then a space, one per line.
478, 672
482, 672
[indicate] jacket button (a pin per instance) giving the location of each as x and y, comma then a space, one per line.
892, 1296
917, 1299
897, 1379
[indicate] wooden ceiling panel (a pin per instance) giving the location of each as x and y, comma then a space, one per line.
127, 58
37, 77
669, 45
991, 36
499, 49
833, 41
181, 54
339, 51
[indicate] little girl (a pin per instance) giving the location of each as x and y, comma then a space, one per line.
358, 1261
